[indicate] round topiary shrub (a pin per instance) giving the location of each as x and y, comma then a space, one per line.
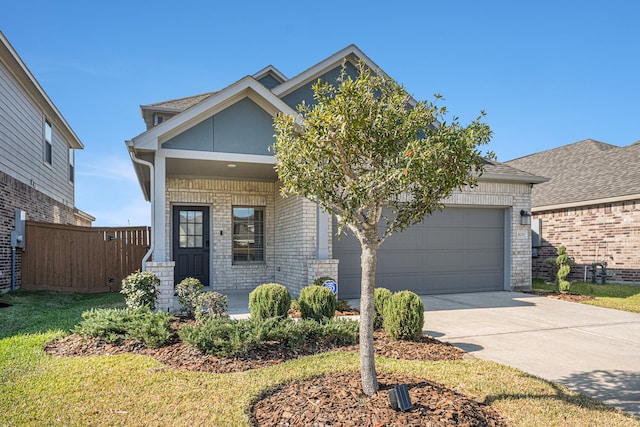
380, 298
188, 292
317, 303
140, 289
403, 316
269, 300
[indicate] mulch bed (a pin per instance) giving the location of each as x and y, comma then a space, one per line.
563, 297
337, 400
332, 400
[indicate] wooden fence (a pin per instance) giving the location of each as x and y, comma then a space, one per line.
81, 259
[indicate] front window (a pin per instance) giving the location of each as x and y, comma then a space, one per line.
248, 234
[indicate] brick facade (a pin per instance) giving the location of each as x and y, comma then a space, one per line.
15, 195
598, 233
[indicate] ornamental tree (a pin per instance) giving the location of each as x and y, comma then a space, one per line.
379, 162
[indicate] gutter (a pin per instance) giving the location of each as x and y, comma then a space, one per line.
132, 154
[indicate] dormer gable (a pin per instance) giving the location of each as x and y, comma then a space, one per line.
270, 77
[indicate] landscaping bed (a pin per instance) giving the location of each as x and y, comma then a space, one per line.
178, 354
334, 399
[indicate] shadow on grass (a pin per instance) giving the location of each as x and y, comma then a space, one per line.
619, 388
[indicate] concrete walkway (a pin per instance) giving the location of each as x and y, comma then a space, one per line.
592, 350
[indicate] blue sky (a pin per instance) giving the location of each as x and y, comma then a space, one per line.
548, 73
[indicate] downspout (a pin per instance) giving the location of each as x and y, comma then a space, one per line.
132, 154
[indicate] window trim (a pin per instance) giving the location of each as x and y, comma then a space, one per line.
262, 261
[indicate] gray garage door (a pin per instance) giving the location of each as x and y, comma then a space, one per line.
456, 250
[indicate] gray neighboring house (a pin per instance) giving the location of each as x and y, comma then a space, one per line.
37, 159
591, 205
217, 214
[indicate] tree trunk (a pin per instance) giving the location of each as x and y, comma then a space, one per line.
368, 262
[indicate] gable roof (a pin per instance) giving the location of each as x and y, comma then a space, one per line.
582, 173
10, 58
247, 86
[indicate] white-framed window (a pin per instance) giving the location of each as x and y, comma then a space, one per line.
72, 165
158, 119
48, 142
248, 234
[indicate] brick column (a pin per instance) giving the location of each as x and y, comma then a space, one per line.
164, 272
321, 268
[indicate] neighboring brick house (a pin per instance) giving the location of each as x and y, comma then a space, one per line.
204, 163
591, 205
36, 158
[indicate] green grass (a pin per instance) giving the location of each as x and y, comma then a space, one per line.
619, 297
132, 390
43, 311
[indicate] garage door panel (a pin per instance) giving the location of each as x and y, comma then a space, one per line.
456, 250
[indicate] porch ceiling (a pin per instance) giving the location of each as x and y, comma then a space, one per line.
192, 168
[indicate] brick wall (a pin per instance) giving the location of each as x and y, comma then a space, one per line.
221, 196
605, 232
14, 195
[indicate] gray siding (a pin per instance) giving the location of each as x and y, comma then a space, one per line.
22, 143
305, 93
243, 127
269, 81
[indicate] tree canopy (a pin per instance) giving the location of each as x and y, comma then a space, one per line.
366, 145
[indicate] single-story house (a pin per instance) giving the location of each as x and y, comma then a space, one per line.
591, 205
205, 165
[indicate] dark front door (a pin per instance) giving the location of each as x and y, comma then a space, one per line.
191, 243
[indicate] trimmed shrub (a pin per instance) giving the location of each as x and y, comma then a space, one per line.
403, 316
343, 305
112, 324
320, 280
269, 300
380, 298
188, 292
221, 337
140, 289
317, 303
227, 337
295, 305
564, 267
212, 304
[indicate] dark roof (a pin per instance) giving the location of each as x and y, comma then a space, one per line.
496, 171
583, 171
180, 104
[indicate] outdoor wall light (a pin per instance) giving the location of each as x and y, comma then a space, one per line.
525, 217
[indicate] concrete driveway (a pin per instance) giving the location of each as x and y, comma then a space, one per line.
592, 350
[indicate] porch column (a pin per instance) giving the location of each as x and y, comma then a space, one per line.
322, 233
160, 206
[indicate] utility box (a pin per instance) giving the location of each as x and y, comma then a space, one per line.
17, 235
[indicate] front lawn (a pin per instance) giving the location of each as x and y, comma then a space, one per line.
619, 297
37, 389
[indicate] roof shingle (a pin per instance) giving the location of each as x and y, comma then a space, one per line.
583, 171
